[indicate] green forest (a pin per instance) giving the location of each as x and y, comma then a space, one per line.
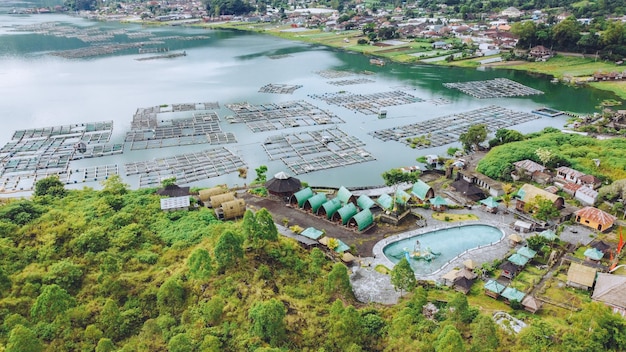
107, 270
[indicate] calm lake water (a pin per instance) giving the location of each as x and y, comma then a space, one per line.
38, 89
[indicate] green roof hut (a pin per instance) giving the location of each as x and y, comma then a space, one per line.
365, 202
385, 201
422, 191
345, 196
314, 203
493, 288
490, 204
362, 220
402, 197
312, 233
511, 294
301, 196
345, 213
438, 203
329, 208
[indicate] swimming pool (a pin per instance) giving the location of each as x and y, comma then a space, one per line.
445, 244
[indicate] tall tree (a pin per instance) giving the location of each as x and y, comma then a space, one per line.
200, 264
228, 250
484, 334
537, 337
52, 302
475, 135
268, 321
403, 276
449, 340
22, 339
266, 228
51, 186
338, 281
566, 34
171, 296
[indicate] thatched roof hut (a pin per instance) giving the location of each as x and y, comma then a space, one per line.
216, 201
283, 185
231, 209
206, 194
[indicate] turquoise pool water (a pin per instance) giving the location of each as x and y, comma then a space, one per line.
445, 244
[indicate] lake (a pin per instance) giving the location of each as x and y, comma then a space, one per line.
39, 89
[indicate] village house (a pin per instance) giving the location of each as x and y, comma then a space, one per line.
540, 53
594, 218
581, 276
527, 168
586, 195
529, 193
511, 12
569, 174
611, 290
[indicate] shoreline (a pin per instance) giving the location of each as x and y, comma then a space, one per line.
574, 62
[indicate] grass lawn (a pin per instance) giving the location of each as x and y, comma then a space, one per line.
619, 87
454, 217
561, 66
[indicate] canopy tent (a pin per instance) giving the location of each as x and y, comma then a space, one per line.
518, 259
548, 234
312, 232
283, 185
593, 254
512, 294
363, 219
365, 202
527, 252
489, 202
301, 196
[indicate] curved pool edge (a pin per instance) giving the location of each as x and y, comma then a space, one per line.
381, 258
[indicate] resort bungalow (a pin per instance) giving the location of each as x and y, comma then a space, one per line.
345, 196
518, 259
365, 202
206, 194
362, 220
314, 203
402, 198
463, 284
386, 202
611, 290
512, 294
231, 210
529, 193
329, 208
312, 233
531, 304
493, 288
594, 218
301, 196
216, 201
581, 276
175, 203
527, 252
438, 203
345, 213
490, 205
509, 270
422, 191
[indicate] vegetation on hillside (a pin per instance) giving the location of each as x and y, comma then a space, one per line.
107, 270
573, 150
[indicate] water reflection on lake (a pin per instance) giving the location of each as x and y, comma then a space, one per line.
39, 90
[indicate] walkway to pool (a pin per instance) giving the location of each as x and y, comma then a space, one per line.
371, 286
